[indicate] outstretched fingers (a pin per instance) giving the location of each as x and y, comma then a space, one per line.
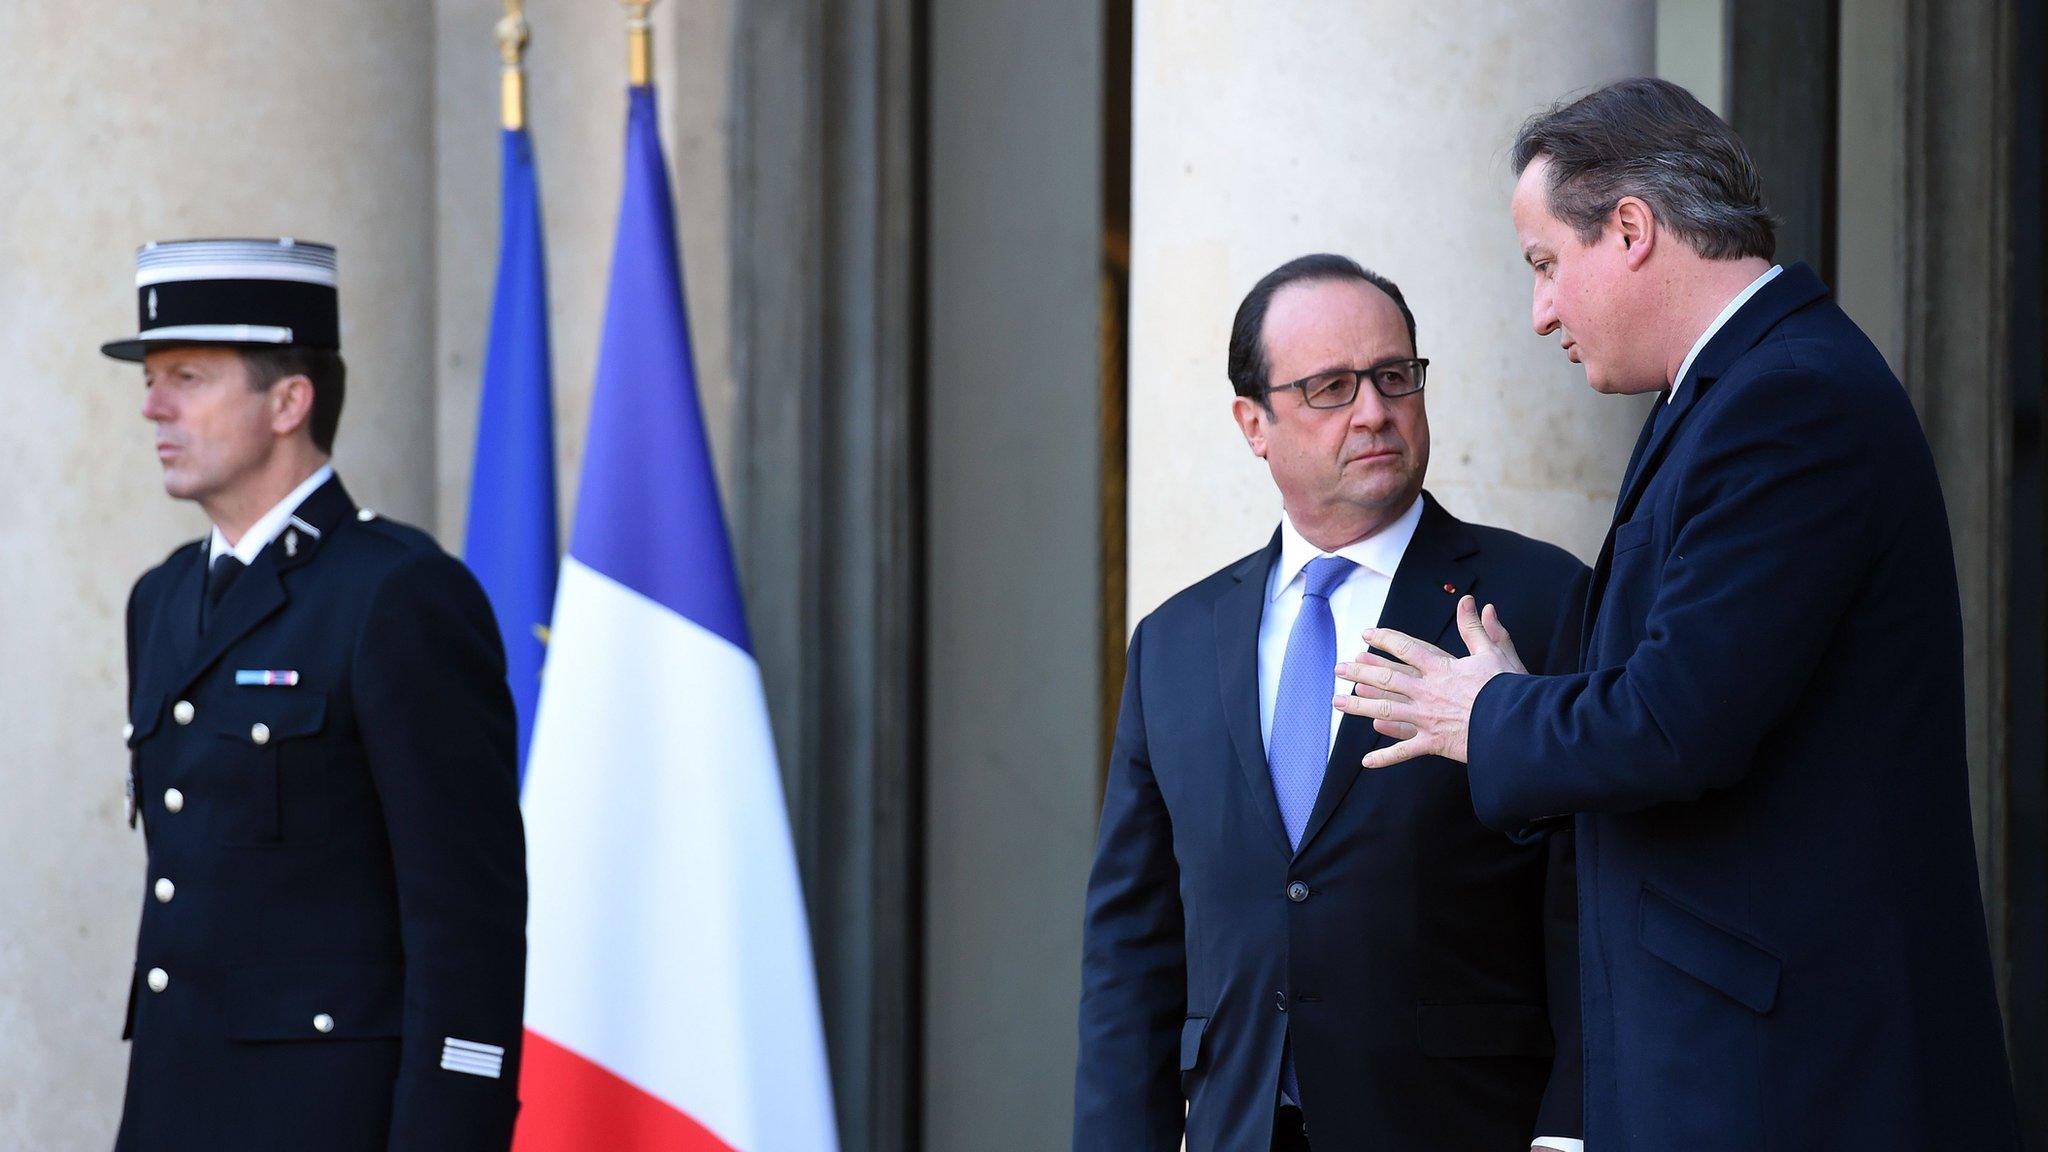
1372, 670
1399, 753
1418, 654
1376, 704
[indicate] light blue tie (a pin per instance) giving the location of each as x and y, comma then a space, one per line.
1299, 750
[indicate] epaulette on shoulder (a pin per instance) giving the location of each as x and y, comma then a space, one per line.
404, 535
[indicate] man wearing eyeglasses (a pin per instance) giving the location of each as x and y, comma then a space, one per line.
1279, 950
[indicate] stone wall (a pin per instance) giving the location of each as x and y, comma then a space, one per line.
1378, 130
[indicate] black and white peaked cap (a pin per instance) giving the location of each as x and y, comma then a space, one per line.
266, 292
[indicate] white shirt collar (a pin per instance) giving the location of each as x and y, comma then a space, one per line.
1720, 321
266, 529
1381, 551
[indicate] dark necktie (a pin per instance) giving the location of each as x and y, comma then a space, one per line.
218, 579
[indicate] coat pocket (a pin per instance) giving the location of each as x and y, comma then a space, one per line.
1191, 1047
1634, 534
265, 718
269, 747
1738, 968
324, 1001
1483, 1030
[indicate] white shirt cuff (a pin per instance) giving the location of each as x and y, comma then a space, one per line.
1558, 1144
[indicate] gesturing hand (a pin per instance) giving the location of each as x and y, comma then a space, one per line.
1423, 697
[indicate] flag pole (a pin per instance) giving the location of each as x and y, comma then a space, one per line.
639, 44
512, 38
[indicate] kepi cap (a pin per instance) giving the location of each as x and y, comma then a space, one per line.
273, 292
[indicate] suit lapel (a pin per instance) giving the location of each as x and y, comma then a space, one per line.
187, 587
1664, 422
1238, 612
260, 592
1789, 291
1600, 566
168, 644
1635, 457
254, 597
1440, 557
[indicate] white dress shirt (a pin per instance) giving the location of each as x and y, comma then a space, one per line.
1727, 313
1357, 604
270, 525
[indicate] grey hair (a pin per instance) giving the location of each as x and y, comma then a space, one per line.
1653, 140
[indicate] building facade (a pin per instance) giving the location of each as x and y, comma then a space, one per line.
960, 281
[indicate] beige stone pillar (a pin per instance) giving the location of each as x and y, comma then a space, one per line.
128, 122
1378, 129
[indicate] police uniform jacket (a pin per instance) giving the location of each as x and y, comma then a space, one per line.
332, 950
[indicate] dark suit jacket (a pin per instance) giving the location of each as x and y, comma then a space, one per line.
345, 852
1780, 923
1416, 977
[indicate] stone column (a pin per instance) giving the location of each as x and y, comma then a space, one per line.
1957, 287
130, 122
1013, 616
1378, 129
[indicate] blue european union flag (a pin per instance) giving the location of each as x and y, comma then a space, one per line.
511, 544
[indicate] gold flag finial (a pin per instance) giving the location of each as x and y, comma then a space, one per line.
639, 44
512, 37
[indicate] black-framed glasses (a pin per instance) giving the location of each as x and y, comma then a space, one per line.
1338, 387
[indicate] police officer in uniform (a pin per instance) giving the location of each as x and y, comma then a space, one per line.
322, 756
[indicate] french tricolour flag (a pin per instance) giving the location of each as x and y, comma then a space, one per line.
671, 1003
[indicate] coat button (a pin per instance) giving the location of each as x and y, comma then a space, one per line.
159, 979
165, 890
174, 800
182, 711
260, 733
1280, 1001
127, 732
323, 1023
1297, 891
366, 515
